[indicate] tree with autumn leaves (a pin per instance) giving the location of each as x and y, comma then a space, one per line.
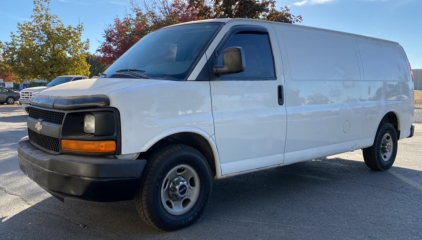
44, 48
142, 20
6, 70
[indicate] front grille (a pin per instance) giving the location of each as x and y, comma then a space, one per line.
50, 143
47, 116
26, 95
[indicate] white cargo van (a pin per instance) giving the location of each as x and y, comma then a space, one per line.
214, 99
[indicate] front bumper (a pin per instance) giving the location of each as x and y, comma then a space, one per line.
88, 178
24, 102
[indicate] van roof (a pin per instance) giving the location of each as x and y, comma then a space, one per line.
225, 20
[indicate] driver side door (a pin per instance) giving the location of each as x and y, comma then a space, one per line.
249, 118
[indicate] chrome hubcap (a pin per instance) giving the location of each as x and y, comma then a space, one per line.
387, 147
10, 101
180, 189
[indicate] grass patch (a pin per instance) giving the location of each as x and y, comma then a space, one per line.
418, 95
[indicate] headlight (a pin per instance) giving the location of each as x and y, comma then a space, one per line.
89, 123
95, 123
94, 131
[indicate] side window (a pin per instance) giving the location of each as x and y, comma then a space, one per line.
77, 78
3, 90
258, 56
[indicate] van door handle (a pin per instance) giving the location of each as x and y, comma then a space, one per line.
280, 95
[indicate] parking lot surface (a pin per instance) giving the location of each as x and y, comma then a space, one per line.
336, 197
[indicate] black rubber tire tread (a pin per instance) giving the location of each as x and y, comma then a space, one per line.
372, 154
10, 103
155, 161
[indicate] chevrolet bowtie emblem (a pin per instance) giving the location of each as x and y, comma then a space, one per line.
38, 126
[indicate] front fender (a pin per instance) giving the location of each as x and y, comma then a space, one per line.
200, 132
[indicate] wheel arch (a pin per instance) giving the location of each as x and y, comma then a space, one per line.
391, 116
195, 138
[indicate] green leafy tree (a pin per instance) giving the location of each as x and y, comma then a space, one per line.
96, 66
45, 48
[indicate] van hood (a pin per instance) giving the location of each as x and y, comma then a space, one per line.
34, 89
86, 93
95, 86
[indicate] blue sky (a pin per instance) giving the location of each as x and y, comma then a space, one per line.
396, 20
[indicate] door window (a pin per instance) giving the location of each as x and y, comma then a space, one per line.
258, 56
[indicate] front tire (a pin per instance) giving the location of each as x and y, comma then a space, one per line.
175, 188
10, 100
382, 154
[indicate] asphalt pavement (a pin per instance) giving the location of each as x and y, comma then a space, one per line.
330, 198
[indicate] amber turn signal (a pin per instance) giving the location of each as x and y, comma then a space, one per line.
89, 146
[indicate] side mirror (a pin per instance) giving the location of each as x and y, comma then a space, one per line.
233, 62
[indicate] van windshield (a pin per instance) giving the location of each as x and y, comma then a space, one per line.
168, 53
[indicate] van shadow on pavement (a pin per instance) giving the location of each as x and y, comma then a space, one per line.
320, 199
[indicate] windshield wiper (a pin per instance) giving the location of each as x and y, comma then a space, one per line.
134, 72
130, 70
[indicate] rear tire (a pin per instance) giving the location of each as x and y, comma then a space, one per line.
175, 188
382, 154
10, 100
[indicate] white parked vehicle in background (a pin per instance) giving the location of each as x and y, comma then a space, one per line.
214, 99
27, 93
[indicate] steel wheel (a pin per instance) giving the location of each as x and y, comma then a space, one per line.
180, 189
382, 154
387, 147
175, 189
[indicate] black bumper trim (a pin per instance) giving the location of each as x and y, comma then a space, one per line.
88, 178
